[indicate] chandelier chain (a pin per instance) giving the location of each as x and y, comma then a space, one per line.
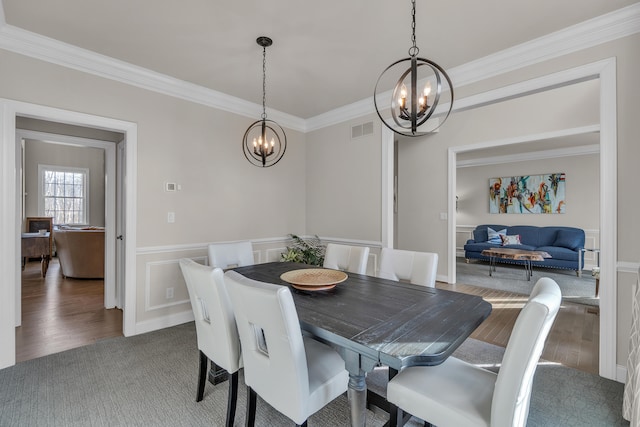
413, 50
264, 82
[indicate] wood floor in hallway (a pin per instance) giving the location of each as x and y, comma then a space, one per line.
60, 314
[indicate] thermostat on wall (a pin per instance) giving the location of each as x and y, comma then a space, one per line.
170, 186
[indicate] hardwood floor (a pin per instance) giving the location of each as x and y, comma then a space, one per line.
59, 314
574, 337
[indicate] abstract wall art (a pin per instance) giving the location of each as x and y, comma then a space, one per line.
531, 194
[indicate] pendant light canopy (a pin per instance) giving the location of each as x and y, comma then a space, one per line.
264, 142
419, 85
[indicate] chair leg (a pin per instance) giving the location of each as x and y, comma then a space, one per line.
250, 419
202, 376
233, 398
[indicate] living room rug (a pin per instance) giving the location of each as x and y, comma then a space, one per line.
512, 278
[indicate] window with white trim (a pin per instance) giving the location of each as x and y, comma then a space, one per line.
64, 194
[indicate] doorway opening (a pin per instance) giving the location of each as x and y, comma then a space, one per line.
11, 215
83, 306
604, 71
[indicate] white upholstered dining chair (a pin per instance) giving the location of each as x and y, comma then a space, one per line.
419, 268
231, 255
294, 374
460, 394
216, 330
346, 258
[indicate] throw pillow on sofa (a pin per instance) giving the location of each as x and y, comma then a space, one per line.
494, 236
510, 240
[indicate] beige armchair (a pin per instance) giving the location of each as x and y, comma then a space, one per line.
81, 253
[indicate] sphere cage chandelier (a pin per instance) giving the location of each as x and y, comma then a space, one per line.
410, 109
264, 142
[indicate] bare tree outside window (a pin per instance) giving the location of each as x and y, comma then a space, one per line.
64, 194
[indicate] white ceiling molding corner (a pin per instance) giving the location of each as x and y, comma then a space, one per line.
342, 114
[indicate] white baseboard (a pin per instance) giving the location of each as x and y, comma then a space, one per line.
621, 374
164, 322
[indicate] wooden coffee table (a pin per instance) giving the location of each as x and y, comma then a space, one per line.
515, 254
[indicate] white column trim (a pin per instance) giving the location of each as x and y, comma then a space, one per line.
387, 143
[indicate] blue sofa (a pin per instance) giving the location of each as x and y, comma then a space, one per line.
564, 244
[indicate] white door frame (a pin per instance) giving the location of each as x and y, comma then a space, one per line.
605, 71
10, 215
121, 227
109, 206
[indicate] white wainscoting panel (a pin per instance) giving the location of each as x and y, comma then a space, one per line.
161, 275
162, 271
463, 233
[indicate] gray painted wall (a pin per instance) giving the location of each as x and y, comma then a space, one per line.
582, 189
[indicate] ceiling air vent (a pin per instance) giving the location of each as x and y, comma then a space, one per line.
361, 130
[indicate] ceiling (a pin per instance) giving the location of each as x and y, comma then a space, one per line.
325, 55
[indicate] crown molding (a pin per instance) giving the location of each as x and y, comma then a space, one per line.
341, 114
30, 44
602, 29
537, 155
531, 156
621, 23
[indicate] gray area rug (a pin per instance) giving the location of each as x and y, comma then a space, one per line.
150, 380
512, 278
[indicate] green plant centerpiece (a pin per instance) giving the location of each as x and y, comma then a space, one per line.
307, 251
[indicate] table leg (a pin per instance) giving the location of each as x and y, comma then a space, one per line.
46, 263
357, 395
44, 272
357, 365
492, 262
217, 374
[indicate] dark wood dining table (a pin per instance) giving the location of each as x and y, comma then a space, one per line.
373, 321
